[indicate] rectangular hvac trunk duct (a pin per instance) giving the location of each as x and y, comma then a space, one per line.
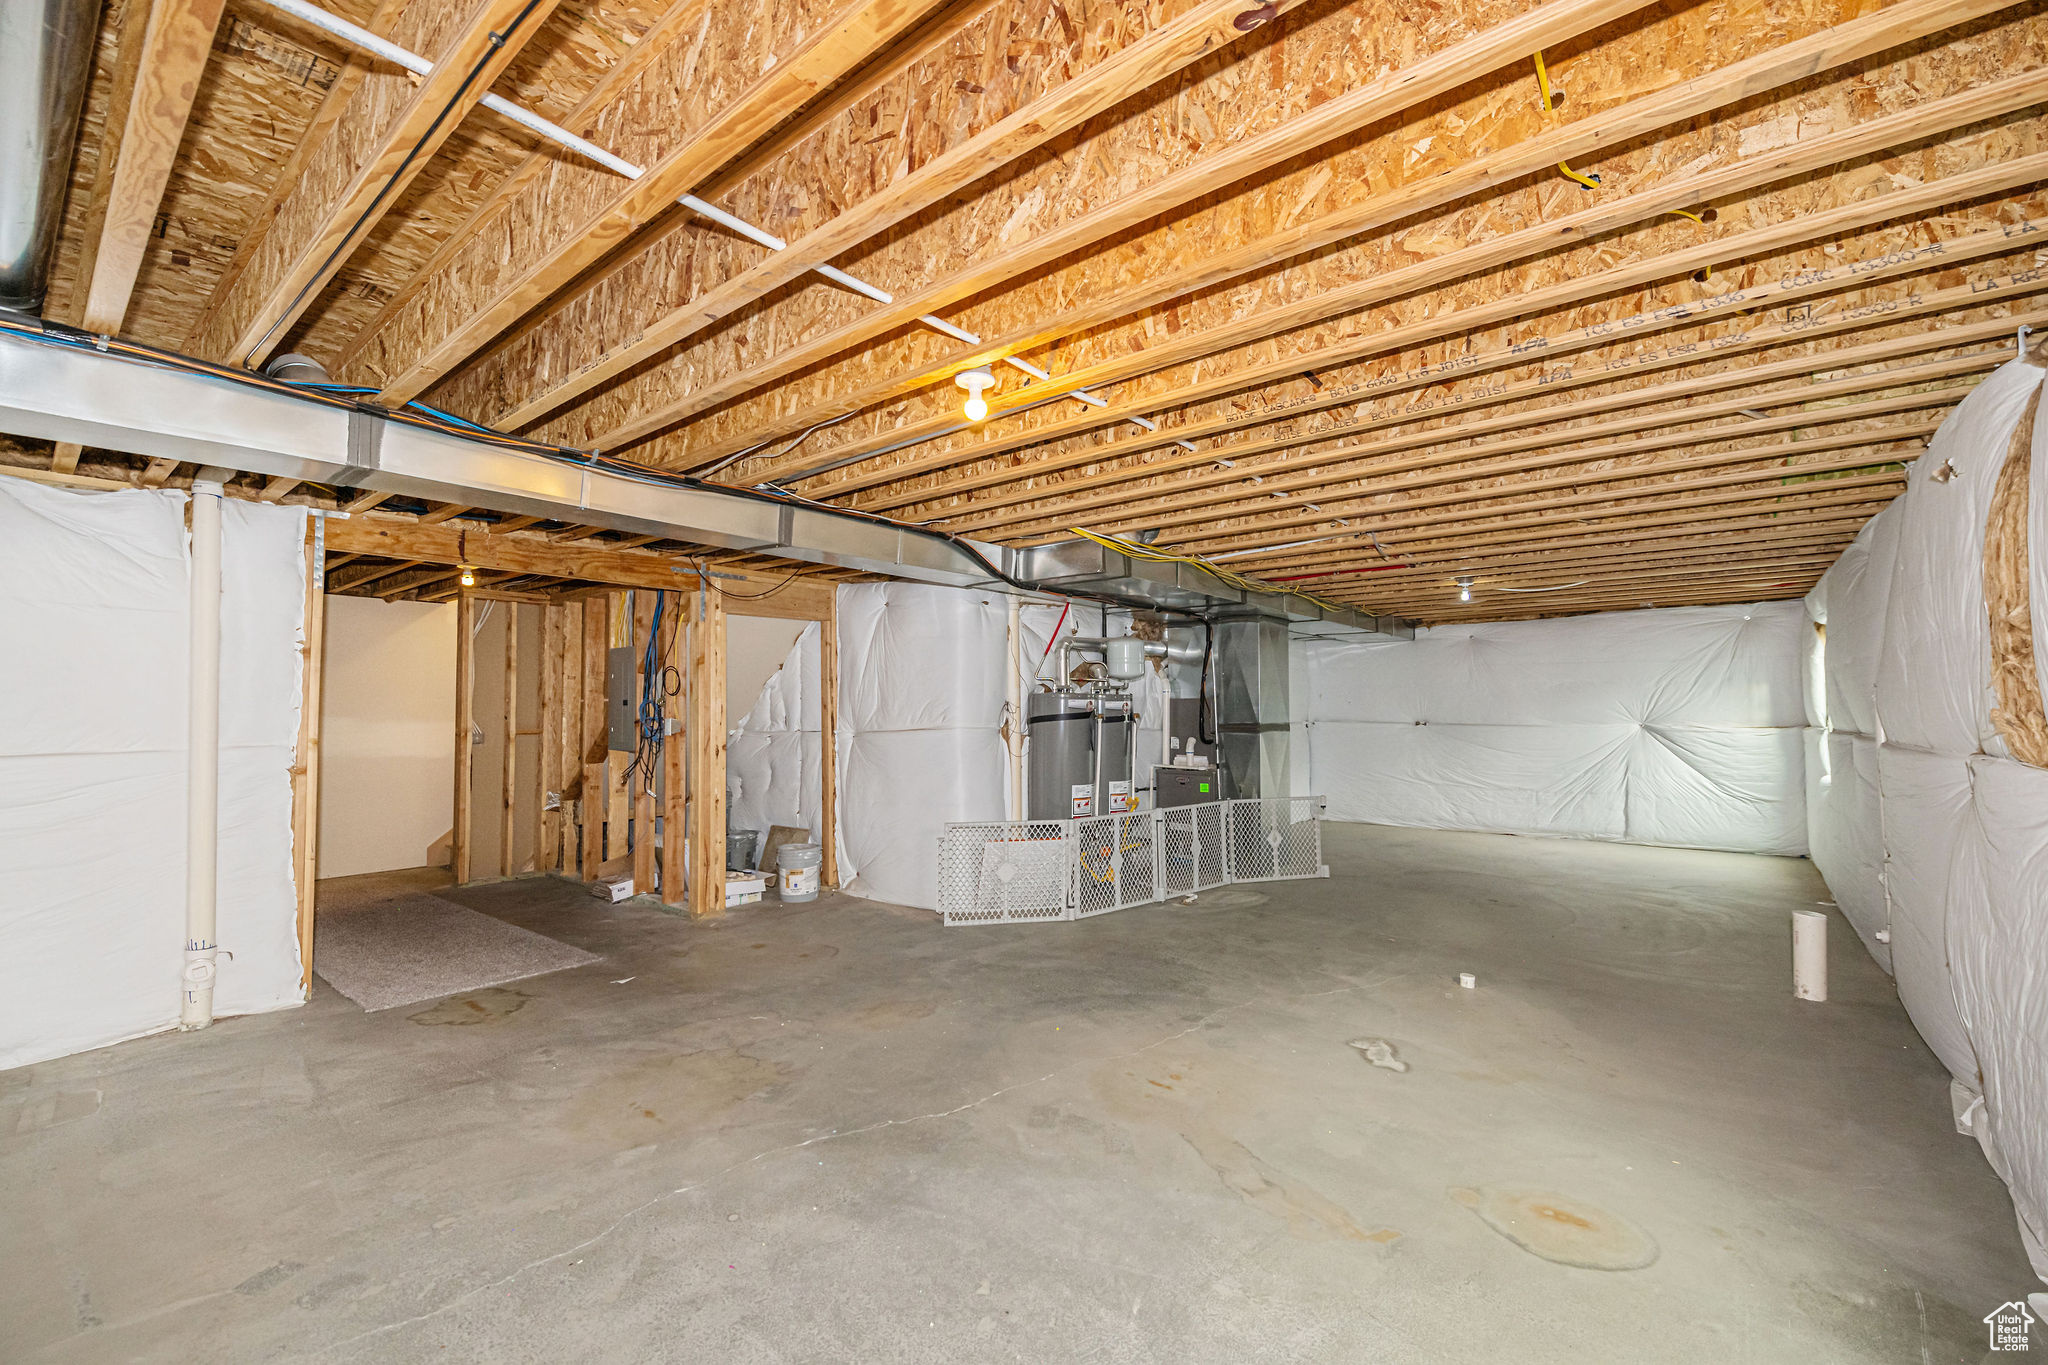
73, 392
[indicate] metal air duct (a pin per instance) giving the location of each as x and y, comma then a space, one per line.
45, 60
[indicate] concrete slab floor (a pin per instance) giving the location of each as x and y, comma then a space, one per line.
843, 1133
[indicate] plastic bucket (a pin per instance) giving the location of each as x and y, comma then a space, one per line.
797, 866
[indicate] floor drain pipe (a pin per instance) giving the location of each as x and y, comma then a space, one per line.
202, 775
1013, 717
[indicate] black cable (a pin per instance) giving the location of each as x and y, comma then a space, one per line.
369, 214
757, 596
1205, 720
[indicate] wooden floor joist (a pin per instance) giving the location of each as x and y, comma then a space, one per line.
1304, 285
1846, 42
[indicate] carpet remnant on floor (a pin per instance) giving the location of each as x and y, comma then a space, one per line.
414, 948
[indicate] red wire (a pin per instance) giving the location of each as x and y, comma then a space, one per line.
1051, 639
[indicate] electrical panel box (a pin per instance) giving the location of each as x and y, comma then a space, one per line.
1185, 787
622, 699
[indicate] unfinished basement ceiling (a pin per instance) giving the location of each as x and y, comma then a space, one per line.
1324, 290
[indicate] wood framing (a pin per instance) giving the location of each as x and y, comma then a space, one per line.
645, 864
554, 710
390, 131
306, 760
705, 727
157, 104
675, 776
571, 220
508, 718
595, 795
462, 841
1300, 284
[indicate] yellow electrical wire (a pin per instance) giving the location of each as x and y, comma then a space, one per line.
1591, 182
1137, 551
1708, 273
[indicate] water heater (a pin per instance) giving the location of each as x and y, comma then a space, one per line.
1079, 755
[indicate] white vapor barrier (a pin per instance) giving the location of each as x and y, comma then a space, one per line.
94, 611
774, 773
921, 691
1949, 853
1672, 726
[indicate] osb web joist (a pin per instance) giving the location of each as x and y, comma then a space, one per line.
1323, 251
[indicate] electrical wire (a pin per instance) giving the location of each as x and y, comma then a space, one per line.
757, 596
1137, 551
1591, 182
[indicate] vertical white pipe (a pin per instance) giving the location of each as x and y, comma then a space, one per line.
202, 773
1810, 954
1013, 672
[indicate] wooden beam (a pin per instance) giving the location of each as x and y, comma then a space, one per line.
1459, 467
64, 459
1535, 341
509, 714
1601, 366
306, 762
706, 730
1730, 85
274, 489
1803, 508
1463, 507
597, 639
354, 67
1207, 26
658, 400
50, 476
517, 553
1291, 463
392, 128
158, 473
130, 30
547, 851
363, 502
675, 786
174, 50
462, 842
644, 864
686, 114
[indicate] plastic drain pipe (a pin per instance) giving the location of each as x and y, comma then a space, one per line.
202, 770
1013, 676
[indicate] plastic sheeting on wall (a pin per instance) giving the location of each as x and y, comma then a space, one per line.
773, 761
1673, 726
921, 693
1946, 847
94, 606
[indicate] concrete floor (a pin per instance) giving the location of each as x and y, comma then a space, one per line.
843, 1133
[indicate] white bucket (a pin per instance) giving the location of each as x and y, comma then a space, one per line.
798, 866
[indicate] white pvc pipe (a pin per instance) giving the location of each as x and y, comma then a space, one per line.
1810, 954
1014, 697
202, 760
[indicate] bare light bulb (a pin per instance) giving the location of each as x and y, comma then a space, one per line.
468, 576
975, 381
1464, 589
